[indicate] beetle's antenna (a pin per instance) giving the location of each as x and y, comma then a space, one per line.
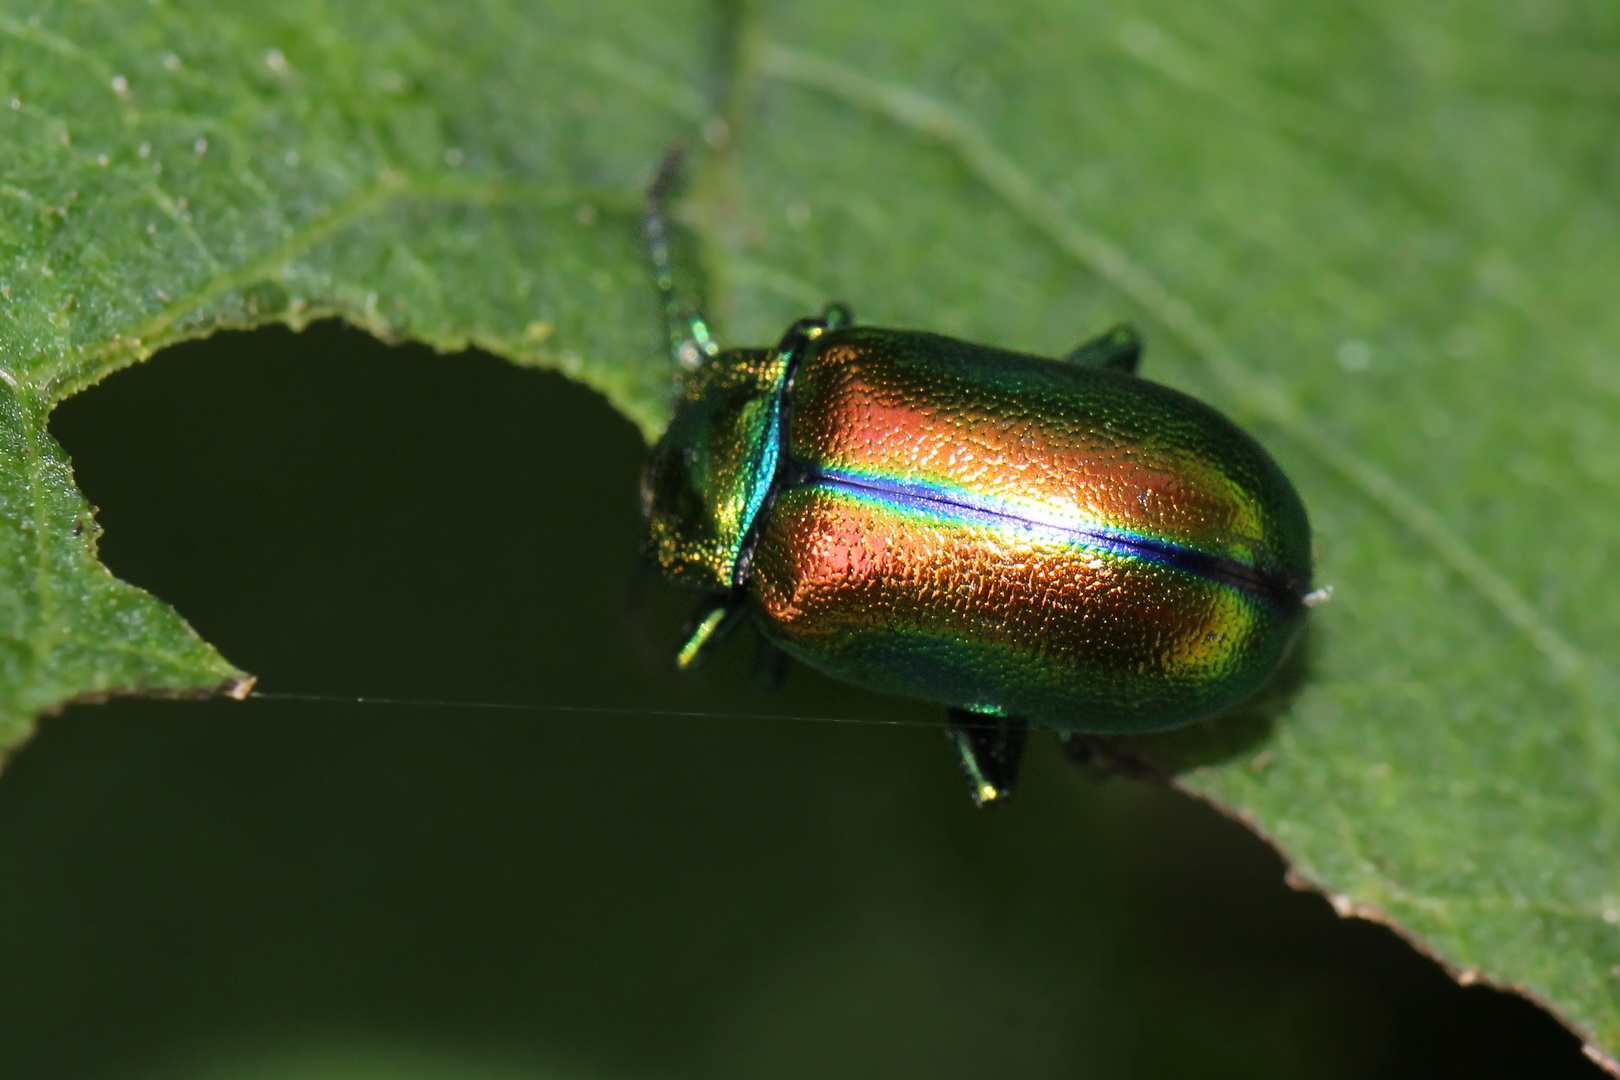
690, 342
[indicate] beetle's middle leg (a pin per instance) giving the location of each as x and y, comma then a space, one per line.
770, 664
1116, 349
991, 748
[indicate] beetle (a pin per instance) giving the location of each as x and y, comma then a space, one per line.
1023, 540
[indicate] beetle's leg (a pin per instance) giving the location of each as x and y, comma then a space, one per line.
690, 342
1106, 756
1117, 349
713, 622
770, 665
990, 748
805, 330
837, 314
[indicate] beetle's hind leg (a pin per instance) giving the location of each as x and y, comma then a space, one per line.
991, 748
1116, 349
1107, 756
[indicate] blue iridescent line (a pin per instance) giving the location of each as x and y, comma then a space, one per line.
968, 508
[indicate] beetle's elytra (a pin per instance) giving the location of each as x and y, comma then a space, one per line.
1023, 540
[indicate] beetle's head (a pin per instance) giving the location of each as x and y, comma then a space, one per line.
711, 471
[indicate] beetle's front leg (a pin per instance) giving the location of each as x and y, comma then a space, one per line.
1118, 349
991, 748
716, 617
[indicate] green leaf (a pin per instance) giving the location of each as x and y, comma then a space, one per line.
467, 175
1381, 237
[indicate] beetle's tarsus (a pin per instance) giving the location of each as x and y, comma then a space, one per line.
991, 748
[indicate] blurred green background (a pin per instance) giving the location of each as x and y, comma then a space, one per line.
277, 889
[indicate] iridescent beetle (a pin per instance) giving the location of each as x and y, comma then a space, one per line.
1023, 540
